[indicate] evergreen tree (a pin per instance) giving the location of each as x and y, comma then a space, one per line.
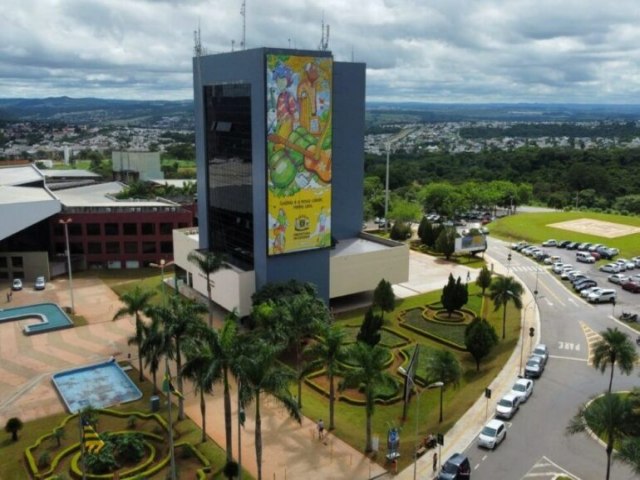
448, 297
484, 279
479, 338
446, 242
370, 329
383, 296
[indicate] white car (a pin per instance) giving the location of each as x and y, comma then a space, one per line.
492, 434
636, 260
552, 260
557, 267
587, 291
618, 278
610, 268
523, 388
17, 284
508, 406
550, 243
565, 274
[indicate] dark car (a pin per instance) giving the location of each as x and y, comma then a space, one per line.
457, 467
633, 287
563, 243
585, 283
572, 245
607, 253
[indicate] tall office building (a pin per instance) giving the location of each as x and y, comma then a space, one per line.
280, 154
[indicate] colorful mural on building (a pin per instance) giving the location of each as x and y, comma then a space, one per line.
298, 152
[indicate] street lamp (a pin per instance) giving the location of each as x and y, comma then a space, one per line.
161, 266
66, 236
535, 303
402, 371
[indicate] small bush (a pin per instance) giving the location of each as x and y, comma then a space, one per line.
131, 422
44, 460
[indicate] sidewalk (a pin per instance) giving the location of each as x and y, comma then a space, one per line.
467, 428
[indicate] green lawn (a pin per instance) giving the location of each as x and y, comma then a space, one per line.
533, 227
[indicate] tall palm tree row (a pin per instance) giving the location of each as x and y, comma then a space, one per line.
154, 346
505, 290
370, 373
136, 303
208, 263
614, 347
329, 352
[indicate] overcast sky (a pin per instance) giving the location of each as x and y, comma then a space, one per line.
572, 51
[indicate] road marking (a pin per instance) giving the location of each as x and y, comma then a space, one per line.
572, 301
592, 338
569, 346
476, 467
484, 458
551, 292
549, 302
575, 359
545, 468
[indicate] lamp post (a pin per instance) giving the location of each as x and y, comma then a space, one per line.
386, 189
535, 303
66, 237
161, 264
402, 371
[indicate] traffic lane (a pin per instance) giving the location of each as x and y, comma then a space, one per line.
538, 429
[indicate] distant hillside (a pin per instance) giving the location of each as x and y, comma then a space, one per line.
97, 110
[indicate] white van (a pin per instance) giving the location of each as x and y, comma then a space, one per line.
602, 296
585, 257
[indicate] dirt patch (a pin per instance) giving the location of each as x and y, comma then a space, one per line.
596, 227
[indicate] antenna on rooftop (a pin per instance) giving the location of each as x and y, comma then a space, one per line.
324, 39
198, 49
243, 12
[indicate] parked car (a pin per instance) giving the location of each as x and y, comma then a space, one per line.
585, 257
557, 267
551, 260
492, 434
608, 253
576, 277
457, 467
635, 278
522, 388
588, 291
550, 243
603, 295
596, 255
595, 247
40, 283
618, 278
636, 260
17, 284
565, 273
563, 243
541, 351
507, 406
534, 367
566, 268
572, 246
586, 283
584, 246
625, 264
633, 287
610, 268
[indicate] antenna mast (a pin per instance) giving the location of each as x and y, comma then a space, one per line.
198, 51
324, 39
243, 12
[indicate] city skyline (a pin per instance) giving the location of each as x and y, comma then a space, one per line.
459, 51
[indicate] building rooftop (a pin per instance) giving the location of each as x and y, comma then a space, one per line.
357, 245
20, 175
69, 174
101, 195
178, 183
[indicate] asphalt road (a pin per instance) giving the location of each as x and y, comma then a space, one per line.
536, 445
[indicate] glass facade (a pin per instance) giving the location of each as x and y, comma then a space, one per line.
229, 164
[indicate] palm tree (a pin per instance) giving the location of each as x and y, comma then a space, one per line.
328, 353
154, 347
136, 302
614, 347
179, 319
58, 434
208, 263
262, 374
443, 366
502, 291
608, 417
629, 453
369, 374
201, 367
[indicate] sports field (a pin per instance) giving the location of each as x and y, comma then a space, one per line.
617, 231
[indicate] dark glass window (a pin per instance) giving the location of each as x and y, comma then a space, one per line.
148, 247
113, 247
3, 262
130, 228
166, 228
229, 170
130, 247
76, 247
111, 229
16, 262
60, 248
94, 247
183, 225
166, 247
93, 229
148, 229
58, 230
75, 229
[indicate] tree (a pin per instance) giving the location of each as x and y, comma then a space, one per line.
446, 242
614, 347
13, 425
502, 291
154, 346
136, 302
369, 373
263, 375
454, 295
484, 279
443, 366
427, 234
208, 263
608, 417
462, 293
383, 296
369, 332
400, 231
329, 352
480, 337
58, 434
178, 320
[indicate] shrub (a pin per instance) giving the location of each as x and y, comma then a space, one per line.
131, 422
129, 447
44, 460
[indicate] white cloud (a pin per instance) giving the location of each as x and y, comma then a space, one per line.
415, 50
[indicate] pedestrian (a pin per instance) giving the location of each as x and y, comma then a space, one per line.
8, 297
435, 462
320, 429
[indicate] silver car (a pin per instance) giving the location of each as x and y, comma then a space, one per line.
492, 434
534, 367
523, 388
541, 351
508, 406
